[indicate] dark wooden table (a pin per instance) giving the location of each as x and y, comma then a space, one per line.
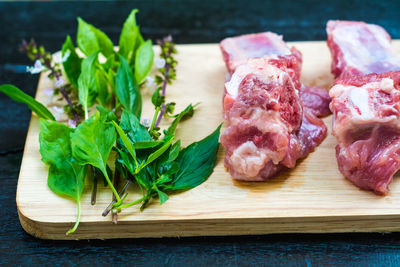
189, 22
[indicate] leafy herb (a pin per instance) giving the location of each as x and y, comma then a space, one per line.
196, 163
128, 38
66, 177
86, 83
144, 155
143, 61
91, 40
127, 89
17, 95
92, 142
72, 64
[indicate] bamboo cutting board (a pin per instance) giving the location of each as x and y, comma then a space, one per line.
311, 198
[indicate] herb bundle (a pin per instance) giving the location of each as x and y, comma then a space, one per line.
111, 80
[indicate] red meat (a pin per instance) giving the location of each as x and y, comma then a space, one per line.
268, 130
367, 126
360, 48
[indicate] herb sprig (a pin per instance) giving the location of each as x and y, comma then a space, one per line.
142, 154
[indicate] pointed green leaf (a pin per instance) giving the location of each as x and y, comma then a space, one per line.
17, 95
72, 65
196, 163
91, 40
127, 89
143, 61
129, 33
66, 177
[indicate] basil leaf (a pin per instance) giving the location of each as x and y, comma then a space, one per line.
134, 130
188, 111
126, 161
66, 177
129, 33
127, 89
162, 196
196, 163
106, 114
103, 95
153, 156
87, 82
72, 65
174, 152
91, 40
147, 144
125, 140
17, 95
92, 142
143, 61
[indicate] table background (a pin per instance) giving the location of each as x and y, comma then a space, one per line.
188, 21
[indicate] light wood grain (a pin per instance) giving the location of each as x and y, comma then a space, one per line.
313, 197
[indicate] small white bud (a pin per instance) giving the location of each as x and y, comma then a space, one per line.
160, 63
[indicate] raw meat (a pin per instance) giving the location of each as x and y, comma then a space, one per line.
360, 48
366, 107
316, 100
367, 126
237, 50
268, 130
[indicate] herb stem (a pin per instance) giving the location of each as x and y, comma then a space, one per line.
122, 192
154, 122
116, 182
111, 186
164, 89
94, 191
131, 204
77, 219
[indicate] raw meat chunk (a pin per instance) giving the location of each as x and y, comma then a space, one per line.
237, 50
264, 111
268, 129
366, 124
360, 48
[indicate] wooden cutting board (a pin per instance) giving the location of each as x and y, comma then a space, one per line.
311, 198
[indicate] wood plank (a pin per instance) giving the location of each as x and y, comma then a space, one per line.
313, 197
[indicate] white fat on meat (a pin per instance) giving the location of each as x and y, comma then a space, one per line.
266, 73
248, 159
366, 47
360, 104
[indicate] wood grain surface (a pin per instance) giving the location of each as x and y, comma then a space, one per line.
313, 197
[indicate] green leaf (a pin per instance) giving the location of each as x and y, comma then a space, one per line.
134, 130
91, 40
127, 89
103, 95
162, 196
125, 140
143, 61
92, 142
188, 111
72, 65
66, 177
157, 99
129, 33
153, 156
147, 144
106, 114
196, 163
87, 82
174, 152
17, 95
